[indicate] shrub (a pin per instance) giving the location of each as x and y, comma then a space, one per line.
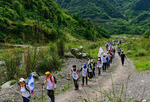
147, 34
60, 48
142, 52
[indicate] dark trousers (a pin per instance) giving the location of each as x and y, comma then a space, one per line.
104, 66
99, 71
119, 53
93, 71
122, 60
50, 93
76, 83
90, 75
83, 80
26, 99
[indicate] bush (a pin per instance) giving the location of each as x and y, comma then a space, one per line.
147, 34
50, 61
60, 48
142, 52
19, 41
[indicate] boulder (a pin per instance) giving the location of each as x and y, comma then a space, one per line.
80, 49
74, 51
69, 55
6, 85
84, 55
2, 63
35, 75
79, 55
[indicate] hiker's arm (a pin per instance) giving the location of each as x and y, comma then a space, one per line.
80, 69
53, 84
43, 82
70, 73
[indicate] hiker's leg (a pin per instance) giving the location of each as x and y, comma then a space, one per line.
74, 83
82, 80
53, 97
50, 94
98, 71
103, 66
93, 71
86, 80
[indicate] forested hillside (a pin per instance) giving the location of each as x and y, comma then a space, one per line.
35, 20
117, 16
93, 9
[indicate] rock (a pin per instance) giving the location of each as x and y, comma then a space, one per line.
84, 55
74, 51
79, 55
6, 85
35, 75
2, 63
69, 55
80, 49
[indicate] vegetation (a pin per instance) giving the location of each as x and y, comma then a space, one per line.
131, 16
40, 21
138, 51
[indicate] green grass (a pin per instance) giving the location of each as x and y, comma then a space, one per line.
138, 51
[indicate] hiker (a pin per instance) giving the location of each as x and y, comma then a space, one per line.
99, 65
114, 51
50, 80
119, 51
110, 55
26, 92
75, 76
104, 58
108, 59
90, 68
85, 71
122, 58
107, 45
118, 43
94, 68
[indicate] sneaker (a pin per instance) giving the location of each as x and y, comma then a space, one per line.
86, 83
82, 84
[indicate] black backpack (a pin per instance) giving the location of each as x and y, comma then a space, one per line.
55, 80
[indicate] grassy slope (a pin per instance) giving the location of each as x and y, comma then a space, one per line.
138, 51
26, 20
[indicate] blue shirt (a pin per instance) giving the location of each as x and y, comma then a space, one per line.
119, 50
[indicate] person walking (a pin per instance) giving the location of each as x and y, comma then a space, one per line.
25, 90
90, 69
122, 58
50, 85
104, 58
99, 65
85, 72
75, 73
119, 51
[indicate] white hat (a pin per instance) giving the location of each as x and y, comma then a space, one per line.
104, 53
21, 80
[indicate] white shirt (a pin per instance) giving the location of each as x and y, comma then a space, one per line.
99, 65
75, 75
50, 84
104, 59
25, 93
84, 72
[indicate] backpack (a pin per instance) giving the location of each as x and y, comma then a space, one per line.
55, 80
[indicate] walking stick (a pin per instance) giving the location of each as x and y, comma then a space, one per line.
42, 93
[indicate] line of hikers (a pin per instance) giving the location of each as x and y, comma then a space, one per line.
88, 72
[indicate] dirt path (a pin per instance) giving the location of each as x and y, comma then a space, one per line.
98, 82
